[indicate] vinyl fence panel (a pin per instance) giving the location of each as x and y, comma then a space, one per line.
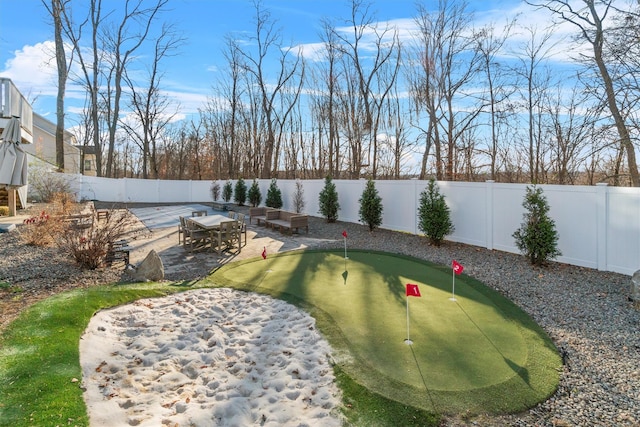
598, 226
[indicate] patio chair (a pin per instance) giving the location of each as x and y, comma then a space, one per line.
231, 214
243, 227
181, 229
199, 213
196, 237
227, 235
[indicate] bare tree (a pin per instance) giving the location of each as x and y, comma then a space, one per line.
400, 144
498, 89
56, 10
326, 109
368, 52
450, 63
151, 108
90, 66
537, 80
234, 99
122, 41
590, 20
274, 103
571, 128
102, 74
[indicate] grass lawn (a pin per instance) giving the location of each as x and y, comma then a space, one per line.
477, 354
40, 360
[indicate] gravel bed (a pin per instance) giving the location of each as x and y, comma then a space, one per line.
586, 312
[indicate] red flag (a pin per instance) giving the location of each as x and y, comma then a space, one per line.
344, 233
264, 253
412, 290
457, 267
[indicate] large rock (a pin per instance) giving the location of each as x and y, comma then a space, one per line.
150, 269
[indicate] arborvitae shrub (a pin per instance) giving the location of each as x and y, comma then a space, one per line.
274, 195
434, 215
298, 197
255, 197
537, 237
328, 201
215, 190
227, 191
371, 206
240, 192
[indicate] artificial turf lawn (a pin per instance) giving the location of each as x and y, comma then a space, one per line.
480, 353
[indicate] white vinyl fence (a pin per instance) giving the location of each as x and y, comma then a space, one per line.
599, 226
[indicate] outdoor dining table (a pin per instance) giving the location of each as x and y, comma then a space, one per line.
210, 223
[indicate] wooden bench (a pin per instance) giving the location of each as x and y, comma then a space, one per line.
118, 251
220, 206
102, 214
79, 221
285, 220
259, 213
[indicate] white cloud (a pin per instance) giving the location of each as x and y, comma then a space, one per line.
189, 102
33, 70
311, 51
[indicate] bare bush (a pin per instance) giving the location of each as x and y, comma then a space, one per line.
298, 197
41, 230
44, 185
45, 228
90, 245
215, 190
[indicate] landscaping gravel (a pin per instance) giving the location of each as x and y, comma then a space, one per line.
586, 312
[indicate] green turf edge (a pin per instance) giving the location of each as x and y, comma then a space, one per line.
362, 407
538, 381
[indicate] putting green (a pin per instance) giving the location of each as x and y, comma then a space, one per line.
477, 353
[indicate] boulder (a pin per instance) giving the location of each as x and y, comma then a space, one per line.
150, 269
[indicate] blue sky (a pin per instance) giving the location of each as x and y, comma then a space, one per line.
26, 39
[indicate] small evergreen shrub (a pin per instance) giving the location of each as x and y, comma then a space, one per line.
255, 197
434, 214
274, 195
227, 191
328, 201
215, 190
298, 197
537, 237
240, 192
371, 206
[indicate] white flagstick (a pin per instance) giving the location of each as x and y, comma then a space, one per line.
345, 245
408, 340
453, 289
